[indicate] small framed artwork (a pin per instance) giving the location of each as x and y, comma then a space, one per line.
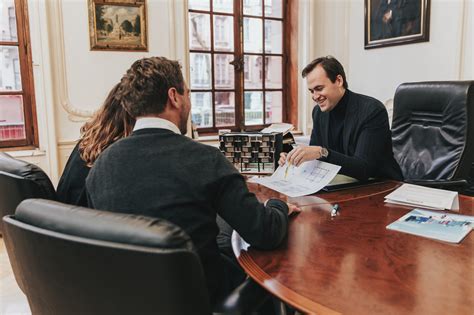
396, 22
118, 25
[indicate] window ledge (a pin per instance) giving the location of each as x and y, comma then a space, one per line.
26, 153
212, 138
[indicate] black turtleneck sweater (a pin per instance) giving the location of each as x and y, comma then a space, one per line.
336, 124
357, 135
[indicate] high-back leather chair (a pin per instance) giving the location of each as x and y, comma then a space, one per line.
433, 132
20, 180
83, 261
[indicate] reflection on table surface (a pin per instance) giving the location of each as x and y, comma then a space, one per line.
352, 264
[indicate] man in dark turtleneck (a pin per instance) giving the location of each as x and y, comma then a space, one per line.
349, 129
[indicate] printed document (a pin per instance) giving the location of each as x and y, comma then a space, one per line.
306, 179
437, 225
428, 198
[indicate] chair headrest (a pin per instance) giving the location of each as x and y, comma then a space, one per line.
435, 96
14, 168
102, 225
19, 168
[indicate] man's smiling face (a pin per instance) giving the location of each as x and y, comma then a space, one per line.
324, 92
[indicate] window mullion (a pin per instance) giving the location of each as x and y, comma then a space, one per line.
26, 71
5, 43
238, 71
213, 69
264, 66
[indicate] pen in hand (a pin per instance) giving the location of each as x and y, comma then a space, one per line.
286, 170
293, 210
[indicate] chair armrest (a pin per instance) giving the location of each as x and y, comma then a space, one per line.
438, 182
245, 299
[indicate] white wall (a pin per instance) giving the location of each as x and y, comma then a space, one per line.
467, 65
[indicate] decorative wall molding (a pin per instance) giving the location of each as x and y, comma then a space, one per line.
67, 142
64, 151
466, 42
306, 30
179, 48
59, 69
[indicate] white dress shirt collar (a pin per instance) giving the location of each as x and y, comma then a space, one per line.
155, 122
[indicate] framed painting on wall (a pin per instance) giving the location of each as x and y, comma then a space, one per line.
396, 22
118, 25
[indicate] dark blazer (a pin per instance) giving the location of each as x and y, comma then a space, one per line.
367, 142
72, 185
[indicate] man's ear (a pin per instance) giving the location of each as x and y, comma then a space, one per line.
173, 96
339, 80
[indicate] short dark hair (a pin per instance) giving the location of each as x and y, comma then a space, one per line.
332, 67
144, 88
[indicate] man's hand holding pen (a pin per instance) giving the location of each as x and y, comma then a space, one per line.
286, 170
293, 209
301, 154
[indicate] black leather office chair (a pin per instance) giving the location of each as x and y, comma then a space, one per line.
433, 132
83, 261
20, 180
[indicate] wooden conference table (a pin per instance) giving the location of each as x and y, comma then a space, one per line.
352, 264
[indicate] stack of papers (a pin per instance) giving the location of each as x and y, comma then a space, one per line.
278, 127
441, 226
428, 198
306, 179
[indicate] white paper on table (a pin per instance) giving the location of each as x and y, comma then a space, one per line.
341, 180
278, 127
306, 179
414, 195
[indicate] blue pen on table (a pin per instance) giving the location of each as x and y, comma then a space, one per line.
335, 210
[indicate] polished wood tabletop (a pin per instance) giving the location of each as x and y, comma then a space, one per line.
351, 264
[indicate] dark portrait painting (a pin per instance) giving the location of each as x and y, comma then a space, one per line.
396, 22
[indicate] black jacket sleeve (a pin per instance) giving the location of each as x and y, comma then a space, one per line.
260, 226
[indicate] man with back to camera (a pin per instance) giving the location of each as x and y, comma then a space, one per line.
158, 172
349, 129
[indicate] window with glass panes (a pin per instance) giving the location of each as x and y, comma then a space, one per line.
17, 109
237, 61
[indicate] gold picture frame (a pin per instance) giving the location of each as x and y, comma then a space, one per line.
119, 25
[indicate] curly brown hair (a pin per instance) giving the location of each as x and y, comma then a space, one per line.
144, 88
109, 124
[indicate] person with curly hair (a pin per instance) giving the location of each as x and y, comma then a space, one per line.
109, 124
